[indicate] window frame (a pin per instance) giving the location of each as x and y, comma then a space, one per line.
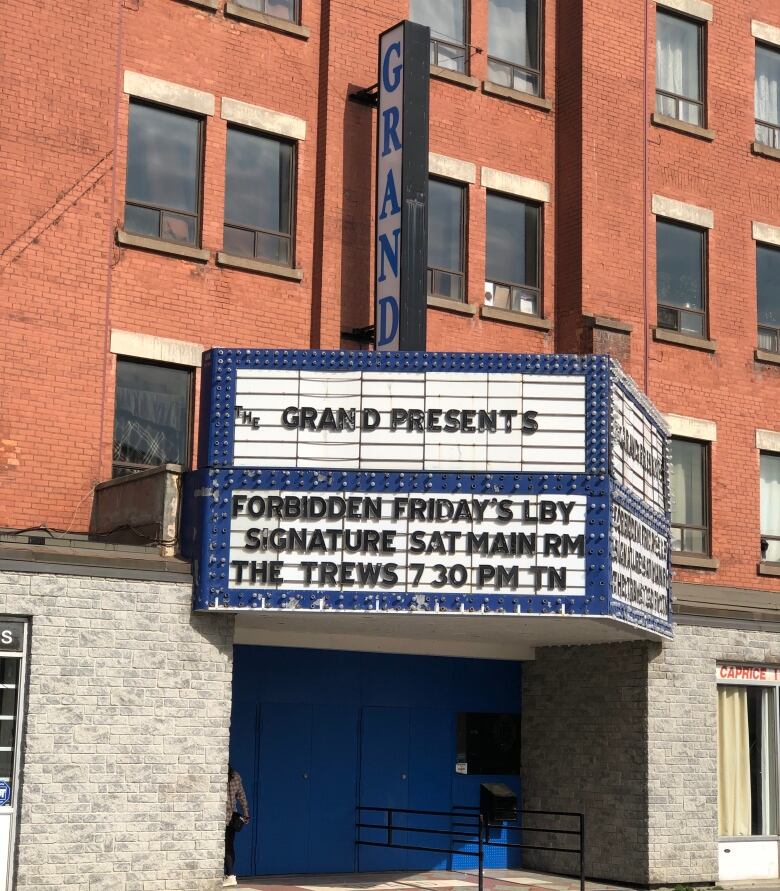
705, 284
706, 500
295, 20
201, 140
292, 197
763, 536
539, 73
463, 230
701, 60
130, 468
774, 330
539, 289
433, 50
774, 128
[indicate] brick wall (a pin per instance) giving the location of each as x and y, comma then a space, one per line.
125, 749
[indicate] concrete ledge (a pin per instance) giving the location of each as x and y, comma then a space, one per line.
696, 8
766, 33
766, 356
605, 324
264, 119
524, 319
236, 11
250, 265
212, 5
768, 440
765, 233
661, 120
771, 569
682, 212
691, 428
98, 562
158, 349
697, 343
456, 306
454, 77
452, 168
127, 239
519, 96
167, 93
765, 151
692, 562
512, 184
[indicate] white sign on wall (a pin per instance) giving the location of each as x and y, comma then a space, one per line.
640, 564
409, 421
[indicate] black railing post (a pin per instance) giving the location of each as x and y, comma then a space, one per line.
481, 852
389, 826
582, 851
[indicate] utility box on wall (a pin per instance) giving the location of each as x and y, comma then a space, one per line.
436, 483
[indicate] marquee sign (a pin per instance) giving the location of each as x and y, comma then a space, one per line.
428, 482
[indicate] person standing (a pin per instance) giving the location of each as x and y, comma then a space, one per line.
233, 822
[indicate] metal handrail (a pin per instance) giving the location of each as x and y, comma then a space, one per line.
479, 828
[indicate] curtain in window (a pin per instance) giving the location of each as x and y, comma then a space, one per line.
734, 799
770, 503
767, 85
768, 765
677, 64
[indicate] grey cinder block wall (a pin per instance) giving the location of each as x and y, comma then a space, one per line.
126, 743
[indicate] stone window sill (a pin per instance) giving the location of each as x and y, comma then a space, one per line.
661, 120
127, 239
457, 306
696, 343
765, 356
236, 11
605, 324
249, 265
770, 569
766, 151
523, 319
503, 92
211, 5
454, 77
691, 561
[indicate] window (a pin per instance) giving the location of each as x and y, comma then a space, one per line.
279, 9
688, 479
514, 45
162, 196
259, 197
447, 21
678, 69
152, 417
488, 743
445, 240
770, 507
747, 761
768, 288
680, 278
767, 96
513, 248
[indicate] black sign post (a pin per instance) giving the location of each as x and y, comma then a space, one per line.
402, 188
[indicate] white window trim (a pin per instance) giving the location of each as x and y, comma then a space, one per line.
768, 441
264, 119
157, 349
684, 213
765, 33
697, 9
166, 93
452, 168
512, 184
765, 233
683, 427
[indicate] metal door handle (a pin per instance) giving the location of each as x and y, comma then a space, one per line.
306, 776
403, 776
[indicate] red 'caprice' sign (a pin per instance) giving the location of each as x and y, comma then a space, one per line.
747, 673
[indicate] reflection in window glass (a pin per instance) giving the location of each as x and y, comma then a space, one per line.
280, 9
677, 69
445, 240
512, 261
688, 485
768, 288
258, 197
446, 19
152, 416
162, 192
513, 44
679, 278
767, 96
770, 506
